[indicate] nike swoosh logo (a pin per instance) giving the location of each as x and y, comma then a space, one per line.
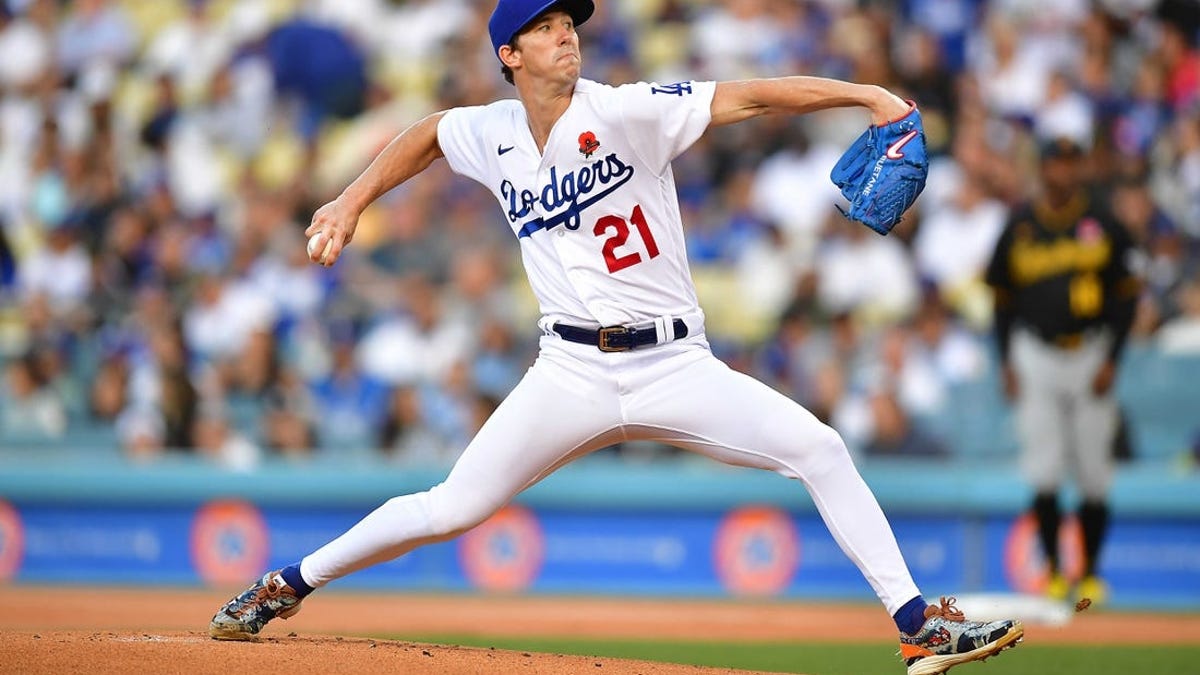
893, 151
501, 150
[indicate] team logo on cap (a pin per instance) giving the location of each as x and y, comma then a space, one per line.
588, 145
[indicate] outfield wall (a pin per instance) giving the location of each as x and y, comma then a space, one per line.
598, 526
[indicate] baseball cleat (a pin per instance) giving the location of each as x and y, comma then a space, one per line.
1058, 587
1094, 589
948, 639
243, 616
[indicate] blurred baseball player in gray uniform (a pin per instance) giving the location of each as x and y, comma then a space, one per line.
1065, 301
582, 172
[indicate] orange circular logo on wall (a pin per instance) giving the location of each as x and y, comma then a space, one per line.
12, 541
756, 551
1024, 561
229, 542
505, 553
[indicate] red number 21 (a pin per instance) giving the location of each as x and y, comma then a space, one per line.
620, 234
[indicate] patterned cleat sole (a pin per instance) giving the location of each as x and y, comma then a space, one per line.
936, 665
219, 632
236, 631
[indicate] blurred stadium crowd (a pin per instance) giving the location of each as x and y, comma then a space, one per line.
160, 160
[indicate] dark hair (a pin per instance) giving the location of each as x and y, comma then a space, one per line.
1060, 147
505, 70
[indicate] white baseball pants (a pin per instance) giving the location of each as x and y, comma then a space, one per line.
576, 399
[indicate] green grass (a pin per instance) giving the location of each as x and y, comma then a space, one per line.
854, 659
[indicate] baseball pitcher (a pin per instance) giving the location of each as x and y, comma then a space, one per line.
582, 173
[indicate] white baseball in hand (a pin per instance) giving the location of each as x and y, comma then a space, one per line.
315, 241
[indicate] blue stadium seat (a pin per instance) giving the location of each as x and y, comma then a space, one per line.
1161, 396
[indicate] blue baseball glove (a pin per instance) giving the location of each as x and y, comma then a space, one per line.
883, 172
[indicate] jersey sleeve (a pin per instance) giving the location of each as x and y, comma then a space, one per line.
1119, 272
1122, 288
461, 143
996, 274
663, 120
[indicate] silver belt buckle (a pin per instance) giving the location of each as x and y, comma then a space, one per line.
606, 333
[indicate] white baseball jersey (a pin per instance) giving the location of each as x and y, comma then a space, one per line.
597, 214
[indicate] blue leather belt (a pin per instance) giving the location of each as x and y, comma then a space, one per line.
617, 338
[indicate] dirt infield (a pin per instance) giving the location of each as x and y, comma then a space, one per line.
193, 652
56, 630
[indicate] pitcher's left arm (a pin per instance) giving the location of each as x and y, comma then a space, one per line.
739, 100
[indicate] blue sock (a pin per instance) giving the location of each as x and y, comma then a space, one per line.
911, 616
291, 574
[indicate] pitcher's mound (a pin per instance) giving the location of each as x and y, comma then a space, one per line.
55, 652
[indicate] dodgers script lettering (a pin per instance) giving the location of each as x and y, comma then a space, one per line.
577, 190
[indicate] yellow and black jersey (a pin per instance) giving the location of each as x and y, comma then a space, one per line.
1062, 272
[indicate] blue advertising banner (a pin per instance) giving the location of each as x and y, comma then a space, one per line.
750, 551
104, 545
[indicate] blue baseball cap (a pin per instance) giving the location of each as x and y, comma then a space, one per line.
510, 16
